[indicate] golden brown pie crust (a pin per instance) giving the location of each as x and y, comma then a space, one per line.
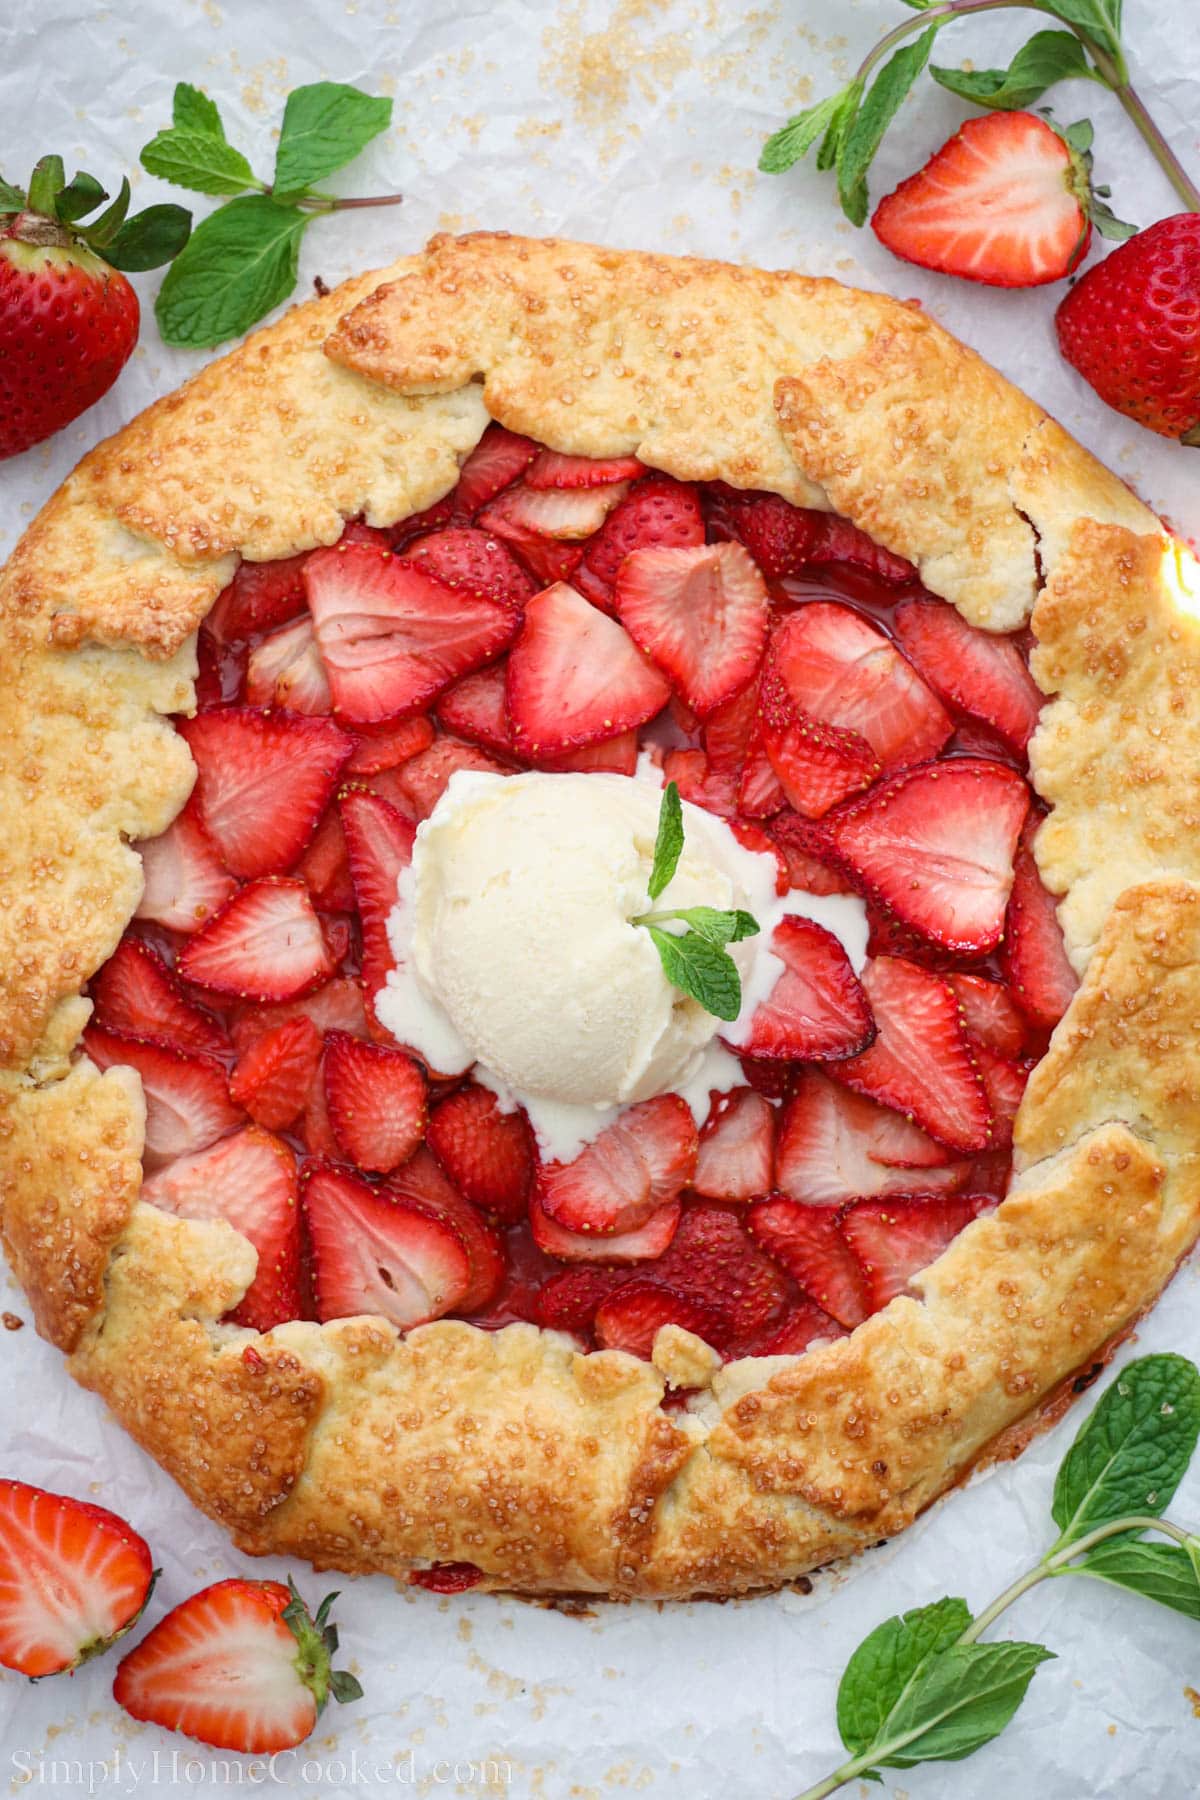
551, 1470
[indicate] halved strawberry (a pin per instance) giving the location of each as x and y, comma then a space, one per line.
272, 1077
780, 537
421, 1184
423, 779
812, 862
240, 1665
842, 670
920, 1062
805, 1241
264, 944
697, 781
73, 1578
325, 866
612, 756
979, 673
391, 746
736, 1158
656, 511
575, 676
376, 1101
136, 994
642, 1245
634, 1166
1004, 1082
373, 1254
1033, 953
262, 782
632, 1318
833, 1145
893, 1239
1005, 201
568, 1302
568, 515
464, 557
988, 1013
817, 764
391, 637
379, 842
497, 460
699, 613
187, 1100
184, 879
249, 1180
488, 1154
286, 670
260, 597
935, 844
551, 469
802, 1325
475, 708
713, 1259
337, 1006
817, 1011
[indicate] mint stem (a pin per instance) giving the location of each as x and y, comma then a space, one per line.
327, 203
1159, 148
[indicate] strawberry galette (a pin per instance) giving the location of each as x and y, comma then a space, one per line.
599, 942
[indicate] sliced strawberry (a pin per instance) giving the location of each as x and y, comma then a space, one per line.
240, 1665
642, 1245
760, 793
475, 708
373, 1254
699, 782
631, 1318
393, 745
184, 879
842, 670
801, 1326
817, 764
834, 1145
837, 540
488, 1154
920, 1062
613, 756
988, 1014
272, 1077
357, 531
497, 460
1004, 1082
376, 1102
575, 676
316, 1127
136, 994
260, 597
817, 1011
264, 944
1033, 953
635, 1165
446, 1577
187, 1100
1004, 201
656, 511
729, 731
391, 637
780, 537
737, 1148
338, 1006
935, 844
466, 558
262, 782
379, 841
713, 1259
774, 1080
551, 469
249, 1180
756, 838
568, 1302
325, 866
977, 672
700, 614
339, 937
286, 670
805, 1241
421, 1184
220, 670
73, 1578
431, 518
812, 862
423, 779
567, 514
893, 1239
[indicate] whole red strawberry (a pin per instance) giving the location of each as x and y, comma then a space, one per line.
1132, 328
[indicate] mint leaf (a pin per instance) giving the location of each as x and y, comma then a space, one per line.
1048, 57
192, 110
150, 238
960, 1700
11, 198
876, 113
237, 265
104, 229
669, 842
700, 969
193, 160
324, 126
45, 185
887, 1662
843, 119
1099, 20
1161, 1572
1131, 1454
719, 927
795, 139
81, 196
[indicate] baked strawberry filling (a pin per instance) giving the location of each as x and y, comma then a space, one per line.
575, 616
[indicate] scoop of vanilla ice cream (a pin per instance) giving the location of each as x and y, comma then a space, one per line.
524, 888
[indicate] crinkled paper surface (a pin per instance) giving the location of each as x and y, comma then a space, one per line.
629, 122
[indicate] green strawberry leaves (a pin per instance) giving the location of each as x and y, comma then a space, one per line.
1133, 1451
145, 241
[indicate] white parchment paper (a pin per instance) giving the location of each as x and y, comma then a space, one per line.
637, 123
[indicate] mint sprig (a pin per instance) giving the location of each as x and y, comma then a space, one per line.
921, 1687
242, 261
694, 960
